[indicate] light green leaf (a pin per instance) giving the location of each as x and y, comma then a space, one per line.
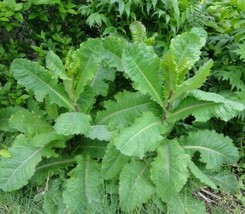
195, 82
125, 109
204, 105
169, 170
186, 204
17, 170
28, 123
200, 175
186, 50
143, 67
55, 65
99, 132
141, 137
84, 189
135, 186
170, 74
215, 149
112, 162
88, 57
72, 123
33, 76
138, 31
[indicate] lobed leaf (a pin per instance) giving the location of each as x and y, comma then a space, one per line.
169, 170
215, 149
141, 137
135, 186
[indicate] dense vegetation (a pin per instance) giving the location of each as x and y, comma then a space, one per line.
122, 106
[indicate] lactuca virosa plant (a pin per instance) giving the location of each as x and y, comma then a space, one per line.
86, 140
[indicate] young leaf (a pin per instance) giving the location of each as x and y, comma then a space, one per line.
83, 190
215, 149
200, 175
186, 204
28, 123
138, 31
170, 74
55, 65
169, 170
135, 186
127, 107
195, 82
20, 167
113, 162
143, 67
72, 123
33, 76
143, 136
204, 105
88, 57
186, 51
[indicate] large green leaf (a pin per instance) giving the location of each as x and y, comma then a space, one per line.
141, 137
20, 167
169, 170
88, 57
215, 149
113, 162
84, 189
127, 107
33, 76
72, 123
186, 51
204, 105
143, 66
135, 186
28, 123
99, 132
185, 203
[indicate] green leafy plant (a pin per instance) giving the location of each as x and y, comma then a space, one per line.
96, 141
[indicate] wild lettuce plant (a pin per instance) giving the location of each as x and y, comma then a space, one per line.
88, 141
